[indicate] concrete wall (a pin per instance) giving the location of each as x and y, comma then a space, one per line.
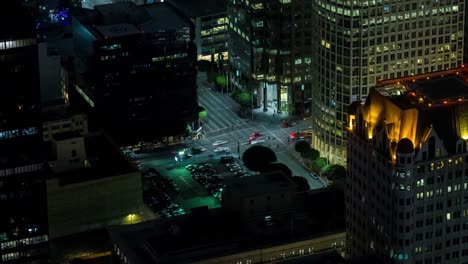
70, 153
257, 206
324, 243
75, 122
79, 207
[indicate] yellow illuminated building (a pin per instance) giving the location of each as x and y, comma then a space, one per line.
407, 160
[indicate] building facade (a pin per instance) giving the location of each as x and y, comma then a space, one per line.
60, 121
210, 20
136, 69
407, 183
23, 204
270, 52
358, 43
260, 198
90, 186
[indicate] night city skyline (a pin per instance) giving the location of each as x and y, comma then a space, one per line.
233, 131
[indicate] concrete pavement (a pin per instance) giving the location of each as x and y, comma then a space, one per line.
268, 123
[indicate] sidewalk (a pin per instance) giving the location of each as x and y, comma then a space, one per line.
271, 116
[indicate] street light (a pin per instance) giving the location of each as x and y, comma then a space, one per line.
181, 156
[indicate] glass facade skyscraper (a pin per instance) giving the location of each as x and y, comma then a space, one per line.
269, 52
359, 43
23, 203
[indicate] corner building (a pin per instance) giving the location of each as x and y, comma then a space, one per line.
407, 184
361, 42
269, 52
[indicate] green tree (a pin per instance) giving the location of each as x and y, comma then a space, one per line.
258, 158
302, 146
334, 172
221, 80
202, 113
319, 163
301, 183
242, 97
278, 166
288, 107
311, 154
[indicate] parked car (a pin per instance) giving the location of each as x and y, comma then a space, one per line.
226, 158
221, 149
197, 150
219, 142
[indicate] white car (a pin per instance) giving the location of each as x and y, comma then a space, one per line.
219, 142
221, 149
257, 141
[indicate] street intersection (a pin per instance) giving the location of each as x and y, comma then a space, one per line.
223, 124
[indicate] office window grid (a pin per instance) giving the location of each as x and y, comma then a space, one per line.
384, 40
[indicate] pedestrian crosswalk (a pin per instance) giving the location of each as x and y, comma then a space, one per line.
240, 136
222, 111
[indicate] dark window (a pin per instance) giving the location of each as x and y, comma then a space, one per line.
431, 148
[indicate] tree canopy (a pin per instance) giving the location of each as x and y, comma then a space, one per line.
277, 166
302, 146
319, 163
221, 80
258, 158
242, 97
334, 172
311, 154
302, 184
202, 113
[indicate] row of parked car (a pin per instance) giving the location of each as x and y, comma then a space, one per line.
205, 174
155, 194
234, 167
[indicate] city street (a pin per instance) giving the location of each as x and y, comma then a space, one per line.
221, 111
223, 124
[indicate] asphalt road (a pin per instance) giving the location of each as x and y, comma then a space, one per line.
224, 124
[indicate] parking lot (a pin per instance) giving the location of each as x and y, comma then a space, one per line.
173, 188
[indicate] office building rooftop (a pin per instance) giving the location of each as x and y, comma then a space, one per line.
426, 91
126, 18
412, 107
265, 182
200, 8
204, 234
103, 160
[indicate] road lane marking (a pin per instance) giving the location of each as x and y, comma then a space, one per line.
269, 131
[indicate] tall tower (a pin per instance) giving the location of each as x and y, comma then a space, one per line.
23, 217
407, 183
269, 52
359, 43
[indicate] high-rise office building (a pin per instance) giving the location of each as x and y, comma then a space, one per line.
23, 208
210, 27
269, 52
407, 185
135, 68
359, 43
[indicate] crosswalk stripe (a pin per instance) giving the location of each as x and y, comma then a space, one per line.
221, 111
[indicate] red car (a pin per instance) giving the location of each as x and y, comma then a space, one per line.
254, 136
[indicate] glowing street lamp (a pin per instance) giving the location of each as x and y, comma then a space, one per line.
181, 156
